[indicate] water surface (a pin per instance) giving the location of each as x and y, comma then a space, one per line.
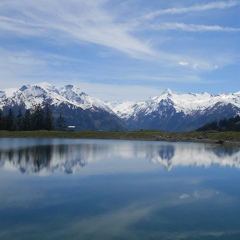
103, 189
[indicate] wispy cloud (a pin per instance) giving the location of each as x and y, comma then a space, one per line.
98, 41
79, 21
194, 8
18, 64
182, 63
84, 22
191, 27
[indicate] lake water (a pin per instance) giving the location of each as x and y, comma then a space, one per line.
103, 189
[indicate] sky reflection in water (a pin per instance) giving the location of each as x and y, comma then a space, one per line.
101, 189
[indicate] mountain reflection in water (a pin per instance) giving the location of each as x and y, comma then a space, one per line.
120, 190
70, 158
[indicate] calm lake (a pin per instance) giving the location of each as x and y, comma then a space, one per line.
112, 189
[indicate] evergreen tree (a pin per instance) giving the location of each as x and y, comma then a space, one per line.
223, 124
61, 122
38, 118
2, 127
10, 120
27, 126
237, 126
49, 123
20, 120
231, 124
237, 123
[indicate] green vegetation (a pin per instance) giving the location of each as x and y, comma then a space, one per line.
151, 135
231, 124
40, 124
39, 119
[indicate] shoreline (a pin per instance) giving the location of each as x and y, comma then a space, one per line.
213, 137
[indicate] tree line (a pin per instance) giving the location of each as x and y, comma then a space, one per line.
231, 124
27, 120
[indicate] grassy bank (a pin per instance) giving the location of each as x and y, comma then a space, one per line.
152, 135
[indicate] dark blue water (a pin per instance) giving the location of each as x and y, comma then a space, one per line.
102, 189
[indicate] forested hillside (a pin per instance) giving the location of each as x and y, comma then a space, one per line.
39, 119
231, 124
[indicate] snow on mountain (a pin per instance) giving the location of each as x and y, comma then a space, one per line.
31, 95
124, 109
169, 111
79, 109
185, 103
172, 111
81, 99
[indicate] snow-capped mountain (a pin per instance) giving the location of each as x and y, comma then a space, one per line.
31, 95
177, 112
79, 109
169, 111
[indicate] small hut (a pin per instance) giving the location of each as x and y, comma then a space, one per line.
71, 128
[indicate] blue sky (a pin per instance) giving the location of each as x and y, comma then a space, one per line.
121, 49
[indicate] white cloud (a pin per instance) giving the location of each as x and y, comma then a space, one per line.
194, 8
16, 65
182, 63
195, 65
191, 27
109, 40
184, 196
78, 21
89, 22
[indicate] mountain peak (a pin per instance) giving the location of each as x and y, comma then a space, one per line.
23, 88
43, 85
168, 111
79, 109
166, 94
168, 91
69, 87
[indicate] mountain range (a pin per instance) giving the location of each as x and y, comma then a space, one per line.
78, 108
177, 112
169, 111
